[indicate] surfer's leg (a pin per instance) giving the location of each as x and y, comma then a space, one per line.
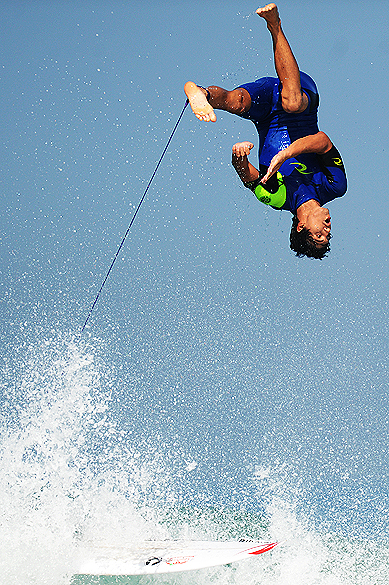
293, 99
204, 101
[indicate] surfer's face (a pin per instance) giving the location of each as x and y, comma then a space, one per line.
318, 223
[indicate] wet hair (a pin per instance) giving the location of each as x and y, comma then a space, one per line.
303, 243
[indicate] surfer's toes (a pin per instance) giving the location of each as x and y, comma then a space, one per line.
201, 108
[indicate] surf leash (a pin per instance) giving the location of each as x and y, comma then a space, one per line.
133, 219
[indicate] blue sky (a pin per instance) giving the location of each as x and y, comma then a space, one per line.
226, 343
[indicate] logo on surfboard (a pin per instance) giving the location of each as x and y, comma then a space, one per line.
178, 560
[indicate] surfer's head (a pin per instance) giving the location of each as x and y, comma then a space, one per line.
306, 242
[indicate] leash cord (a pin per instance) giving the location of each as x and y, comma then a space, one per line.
133, 219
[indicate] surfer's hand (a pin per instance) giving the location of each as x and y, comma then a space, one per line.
276, 162
242, 148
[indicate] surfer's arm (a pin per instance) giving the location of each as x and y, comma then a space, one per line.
315, 143
246, 171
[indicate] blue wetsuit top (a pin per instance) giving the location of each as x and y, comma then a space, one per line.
309, 176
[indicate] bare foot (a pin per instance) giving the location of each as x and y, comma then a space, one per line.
270, 14
202, 109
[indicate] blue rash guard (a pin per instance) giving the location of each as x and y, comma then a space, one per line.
307, 177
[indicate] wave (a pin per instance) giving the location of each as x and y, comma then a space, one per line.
71, 472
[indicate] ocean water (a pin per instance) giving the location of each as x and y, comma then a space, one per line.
71, 472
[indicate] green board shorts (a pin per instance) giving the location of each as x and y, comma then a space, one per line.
272, 193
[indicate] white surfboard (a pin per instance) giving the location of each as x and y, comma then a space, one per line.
149, 557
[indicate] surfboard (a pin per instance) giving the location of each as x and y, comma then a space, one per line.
152, 557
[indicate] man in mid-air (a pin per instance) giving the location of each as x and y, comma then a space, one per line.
300, 170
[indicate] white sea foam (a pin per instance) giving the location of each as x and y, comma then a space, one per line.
65, 473
69, 473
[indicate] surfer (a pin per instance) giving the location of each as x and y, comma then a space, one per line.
284, 110
302, 194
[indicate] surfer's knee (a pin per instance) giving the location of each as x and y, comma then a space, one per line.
237, 101
294, 103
